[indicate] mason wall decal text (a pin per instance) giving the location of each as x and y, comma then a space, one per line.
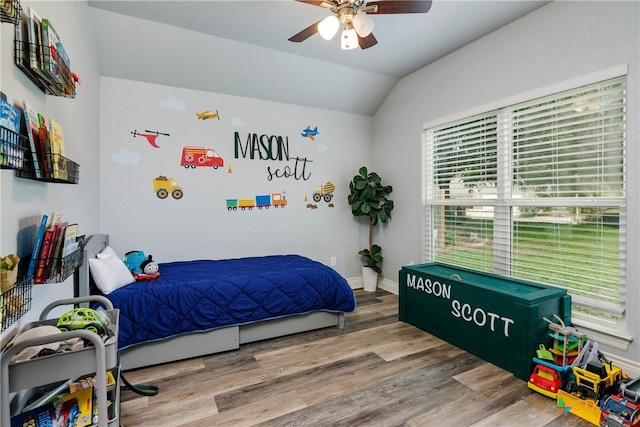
272, 148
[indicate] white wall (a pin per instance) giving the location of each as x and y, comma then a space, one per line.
560, 41
199, 225
24, 201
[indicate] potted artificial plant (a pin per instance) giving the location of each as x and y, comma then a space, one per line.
368, 197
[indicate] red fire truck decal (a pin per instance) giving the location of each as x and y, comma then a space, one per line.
200, 156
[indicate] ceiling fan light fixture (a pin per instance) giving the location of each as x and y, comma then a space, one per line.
329, 27
362, 24
349, 38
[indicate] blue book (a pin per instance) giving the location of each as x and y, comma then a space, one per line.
37, 245
10, 116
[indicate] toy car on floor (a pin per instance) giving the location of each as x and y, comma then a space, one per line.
622, 409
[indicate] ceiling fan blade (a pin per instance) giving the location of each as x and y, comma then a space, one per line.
367, 42
398, 6
321, 3
305, 34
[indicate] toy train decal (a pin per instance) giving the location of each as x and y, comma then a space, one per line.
265, 201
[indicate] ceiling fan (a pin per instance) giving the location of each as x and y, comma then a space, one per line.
353, 15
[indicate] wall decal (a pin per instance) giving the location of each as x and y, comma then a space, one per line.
164, 186
278, 200
154, 138
298, 172
310, 133
200, 156
265, 147
322, 192
172, 103
125, 157
208, 114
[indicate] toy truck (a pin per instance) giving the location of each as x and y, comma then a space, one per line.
324, 192
592, 382
162, 186
619, 412
631, 390
193, 157
547, 378
597, 379
622, 409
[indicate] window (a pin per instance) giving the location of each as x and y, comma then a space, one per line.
535, 190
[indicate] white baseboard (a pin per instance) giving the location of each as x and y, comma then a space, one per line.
355, 282
385, 284
389, 286
629, 367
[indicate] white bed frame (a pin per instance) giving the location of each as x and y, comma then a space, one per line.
202, 343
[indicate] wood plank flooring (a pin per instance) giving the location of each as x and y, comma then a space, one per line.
377, 371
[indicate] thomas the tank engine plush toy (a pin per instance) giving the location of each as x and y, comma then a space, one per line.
141, 266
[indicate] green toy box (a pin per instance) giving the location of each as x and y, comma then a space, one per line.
497, 318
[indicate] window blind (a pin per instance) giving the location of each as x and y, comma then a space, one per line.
535, 191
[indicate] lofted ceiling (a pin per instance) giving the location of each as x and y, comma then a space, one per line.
241, 47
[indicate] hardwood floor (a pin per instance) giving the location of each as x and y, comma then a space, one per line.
377, 371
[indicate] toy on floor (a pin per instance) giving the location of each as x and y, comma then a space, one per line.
593, 379
582, 381
567, 341
141, 266
622, 409
553, 366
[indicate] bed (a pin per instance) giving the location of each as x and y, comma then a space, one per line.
219, 304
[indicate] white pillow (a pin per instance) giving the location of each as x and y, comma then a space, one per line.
109, 271
107, 252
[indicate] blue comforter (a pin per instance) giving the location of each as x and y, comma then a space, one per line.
201, 295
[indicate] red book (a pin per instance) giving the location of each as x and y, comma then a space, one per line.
53, 261
45, 254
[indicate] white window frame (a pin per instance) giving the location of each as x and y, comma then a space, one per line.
613, 334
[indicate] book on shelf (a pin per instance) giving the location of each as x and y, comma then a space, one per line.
35, 40
53, 261
70, 244
58, 159
64, 69
45, 253
48, 223
22, 40
90, 381
50, 39
47, 396
56, 217
37, 245
45, 147
48, 241
56, 60
33, 133
10, 115
56, 253
11, 153
73, 409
